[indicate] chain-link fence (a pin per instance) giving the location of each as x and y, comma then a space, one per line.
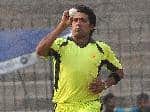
124, 24
26, 91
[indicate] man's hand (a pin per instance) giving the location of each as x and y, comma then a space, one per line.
66, 20
42, 48
97, 86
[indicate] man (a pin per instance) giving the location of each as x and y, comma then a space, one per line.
142, 102
142, 105
109, 103
78, 61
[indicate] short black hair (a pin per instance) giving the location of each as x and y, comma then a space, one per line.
107, 97
87, 10
142, 96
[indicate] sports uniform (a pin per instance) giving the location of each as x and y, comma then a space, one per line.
75, 68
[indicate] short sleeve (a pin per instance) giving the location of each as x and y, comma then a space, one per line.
54, 48
109, 55
57, 44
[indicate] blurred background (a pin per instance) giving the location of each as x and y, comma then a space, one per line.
26, 80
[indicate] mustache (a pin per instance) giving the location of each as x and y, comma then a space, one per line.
78, 29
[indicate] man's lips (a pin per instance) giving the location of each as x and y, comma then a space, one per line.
77, 29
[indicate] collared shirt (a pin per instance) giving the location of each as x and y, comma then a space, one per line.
77, 67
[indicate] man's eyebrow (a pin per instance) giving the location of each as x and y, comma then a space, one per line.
80, 17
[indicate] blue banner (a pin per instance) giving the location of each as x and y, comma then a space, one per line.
19, 44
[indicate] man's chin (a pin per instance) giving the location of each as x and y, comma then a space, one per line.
77, 34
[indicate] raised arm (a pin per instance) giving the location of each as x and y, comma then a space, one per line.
44, 45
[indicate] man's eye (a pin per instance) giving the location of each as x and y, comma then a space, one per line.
83, 20
79, 19
75, 19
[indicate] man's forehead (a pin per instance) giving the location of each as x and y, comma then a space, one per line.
80, 15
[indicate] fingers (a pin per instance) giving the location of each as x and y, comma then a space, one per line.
96, 86
66, 14
66, 18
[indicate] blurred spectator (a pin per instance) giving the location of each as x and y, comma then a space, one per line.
121, 109
108, 103
142, 105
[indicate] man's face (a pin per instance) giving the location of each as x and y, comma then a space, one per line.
142, 103
111, 103
81, 26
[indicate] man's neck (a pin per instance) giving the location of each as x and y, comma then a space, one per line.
82, 42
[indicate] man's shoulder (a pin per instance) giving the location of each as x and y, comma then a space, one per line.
60, 40
101, 42
103, 45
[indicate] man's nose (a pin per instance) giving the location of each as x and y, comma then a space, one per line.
78, 22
